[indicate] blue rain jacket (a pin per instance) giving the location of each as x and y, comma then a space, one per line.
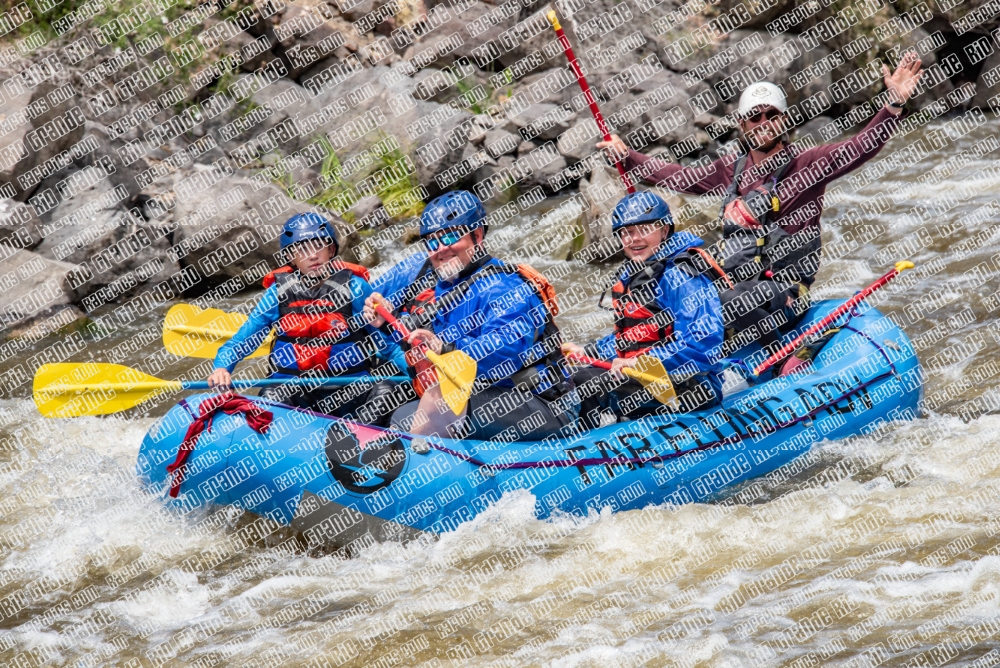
392, 284
697, 312
265, 315
498, 323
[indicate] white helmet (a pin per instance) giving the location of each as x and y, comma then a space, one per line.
762, 93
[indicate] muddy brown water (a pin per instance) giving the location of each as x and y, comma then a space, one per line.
887, 558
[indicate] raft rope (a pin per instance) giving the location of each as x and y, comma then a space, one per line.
228, 402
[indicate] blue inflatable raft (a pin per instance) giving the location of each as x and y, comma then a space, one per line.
340, 483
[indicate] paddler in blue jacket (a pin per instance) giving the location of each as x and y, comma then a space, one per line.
315, 304
666, 306
498, 314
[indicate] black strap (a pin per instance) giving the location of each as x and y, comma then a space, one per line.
473, 272
741, 165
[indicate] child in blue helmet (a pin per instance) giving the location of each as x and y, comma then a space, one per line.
314, 303
493, 313
666, 306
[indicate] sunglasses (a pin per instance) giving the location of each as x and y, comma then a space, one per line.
767, 114
447, 238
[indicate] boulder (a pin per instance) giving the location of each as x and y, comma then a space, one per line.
430, 135
115, 250
988, 83
578, 142
669, 112
500, 142
20, 226
544, 121
308, 31
33, 287
38, 148
285, 99
458, 27
544, 163
490, 177
233, 226
127, 166
12, 110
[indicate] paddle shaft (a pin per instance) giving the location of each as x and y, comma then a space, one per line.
601, 364
789, 348
203, 384
588, 94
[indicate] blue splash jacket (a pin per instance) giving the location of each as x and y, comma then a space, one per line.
498, 322
697, 311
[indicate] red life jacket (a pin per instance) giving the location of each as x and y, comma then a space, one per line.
639, 323
315, 323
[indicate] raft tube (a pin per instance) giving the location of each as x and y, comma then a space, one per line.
341, 484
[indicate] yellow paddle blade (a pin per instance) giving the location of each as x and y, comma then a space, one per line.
651, 373
73, 389
190, 331
457, 375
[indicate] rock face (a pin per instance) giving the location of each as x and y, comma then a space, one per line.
46, 139
33, 287
370, 108
226, 231
430, 134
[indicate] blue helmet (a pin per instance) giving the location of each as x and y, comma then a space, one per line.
641, 207
306, 226
455, 209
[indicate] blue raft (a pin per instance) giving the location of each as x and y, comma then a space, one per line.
340, 483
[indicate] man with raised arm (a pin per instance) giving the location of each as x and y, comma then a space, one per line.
772, 201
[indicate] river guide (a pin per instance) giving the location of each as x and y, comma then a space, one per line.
773, 198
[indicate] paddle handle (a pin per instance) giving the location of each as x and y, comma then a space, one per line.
391, 319
587, 93
591, 361
789, 348
430, 354
601, 364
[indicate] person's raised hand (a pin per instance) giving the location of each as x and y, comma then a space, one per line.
570, 348
220, 379
370, 314
616, 150
426, 337
903, 81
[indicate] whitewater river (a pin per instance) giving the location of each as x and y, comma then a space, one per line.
894, 563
